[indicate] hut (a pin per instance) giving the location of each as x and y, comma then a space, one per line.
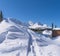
56, 32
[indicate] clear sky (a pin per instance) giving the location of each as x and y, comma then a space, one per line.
44, 11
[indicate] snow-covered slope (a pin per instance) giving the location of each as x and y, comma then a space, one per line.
17, 40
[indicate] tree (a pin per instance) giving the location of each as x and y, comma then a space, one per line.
1, 16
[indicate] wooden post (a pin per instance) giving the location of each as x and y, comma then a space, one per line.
52, 29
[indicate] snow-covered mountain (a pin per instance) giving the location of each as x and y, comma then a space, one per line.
16, 39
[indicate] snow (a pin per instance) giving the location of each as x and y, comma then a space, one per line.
3, 26
47, 32
18, 40
34, 26
30, 23
56, 28
37, 26
51, 50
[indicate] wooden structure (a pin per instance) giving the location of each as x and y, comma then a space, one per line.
55, 30
55, 33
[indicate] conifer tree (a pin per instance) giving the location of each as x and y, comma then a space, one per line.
1, 16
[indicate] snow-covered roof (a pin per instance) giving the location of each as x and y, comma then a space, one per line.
56, 28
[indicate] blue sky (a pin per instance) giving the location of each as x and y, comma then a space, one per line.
44, 11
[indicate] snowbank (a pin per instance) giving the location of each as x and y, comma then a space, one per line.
47, 32
18, 40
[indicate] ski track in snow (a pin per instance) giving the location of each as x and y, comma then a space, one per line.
16, 40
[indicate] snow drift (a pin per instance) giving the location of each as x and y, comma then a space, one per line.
18, 40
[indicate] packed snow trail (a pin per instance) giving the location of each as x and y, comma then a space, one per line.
36, 47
